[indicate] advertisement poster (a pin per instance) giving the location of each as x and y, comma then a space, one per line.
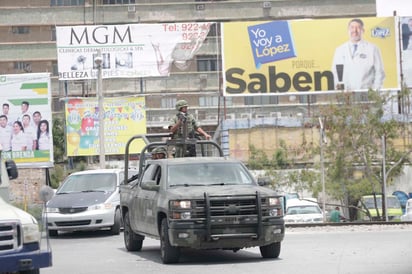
25, 120
124, 117
132, 50
406, 35
306, 56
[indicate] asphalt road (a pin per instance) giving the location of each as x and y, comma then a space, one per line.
377, 249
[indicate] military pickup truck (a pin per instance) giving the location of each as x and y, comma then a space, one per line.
203, 202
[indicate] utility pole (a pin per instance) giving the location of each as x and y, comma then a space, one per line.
322, 167
99, 87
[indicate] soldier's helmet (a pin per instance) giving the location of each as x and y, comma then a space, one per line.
180, 104
160, 150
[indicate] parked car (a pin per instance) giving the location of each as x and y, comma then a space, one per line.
87, 200
407, 217
367, 205
303, 211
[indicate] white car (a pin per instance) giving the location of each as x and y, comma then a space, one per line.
303, 211
407, 217
87, 200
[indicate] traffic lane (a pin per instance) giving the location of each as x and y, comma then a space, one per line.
350, 250
99, 252
302, 252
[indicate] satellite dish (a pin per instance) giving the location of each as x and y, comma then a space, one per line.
46, 193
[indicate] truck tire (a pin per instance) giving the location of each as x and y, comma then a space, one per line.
168, 253
270, 251
53, 233
115, 229
33, 271
132, 241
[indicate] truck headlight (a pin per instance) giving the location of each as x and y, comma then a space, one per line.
180, 210
186, 215
274, 201
185, 204
31, 233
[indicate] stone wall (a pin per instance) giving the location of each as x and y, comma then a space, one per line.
25, 189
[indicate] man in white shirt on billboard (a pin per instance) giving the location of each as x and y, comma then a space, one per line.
5, 133
357, 64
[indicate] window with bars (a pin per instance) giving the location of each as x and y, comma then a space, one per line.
118, 2
261, 100
53, 33
307, 99
208, 101
207, 63
66, 2
20, 29
25, 66
168, 102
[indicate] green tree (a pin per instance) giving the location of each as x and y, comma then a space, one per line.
355, 130
58, 139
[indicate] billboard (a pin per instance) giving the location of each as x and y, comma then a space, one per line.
406, 49
127, 51
25, 120
306, 56
124, 117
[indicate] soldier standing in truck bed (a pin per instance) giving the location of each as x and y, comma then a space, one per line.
184, 124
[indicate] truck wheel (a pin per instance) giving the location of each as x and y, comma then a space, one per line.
169, 254
53, 233
33, 271
132, 241
115, 229
270, 251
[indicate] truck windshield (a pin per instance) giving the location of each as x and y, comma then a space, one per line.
208, 174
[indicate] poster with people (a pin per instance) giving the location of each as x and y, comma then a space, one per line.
308, 56
123, 118
26, 120
129, 50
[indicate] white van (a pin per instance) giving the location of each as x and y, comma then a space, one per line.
303, 211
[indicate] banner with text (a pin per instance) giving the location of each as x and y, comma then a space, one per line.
268, 58
26, 120
124, 117
133, 50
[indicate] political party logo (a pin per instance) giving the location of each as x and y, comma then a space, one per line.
380, 32
271, 42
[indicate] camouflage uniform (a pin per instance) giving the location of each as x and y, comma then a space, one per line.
192, 126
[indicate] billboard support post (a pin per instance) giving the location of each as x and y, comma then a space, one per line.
98, 61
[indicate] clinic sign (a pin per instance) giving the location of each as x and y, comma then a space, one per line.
127, 51
306, 56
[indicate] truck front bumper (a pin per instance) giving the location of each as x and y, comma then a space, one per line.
195, 236
25, 259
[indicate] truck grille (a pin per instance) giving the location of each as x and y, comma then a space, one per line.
227, 206
10, 236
